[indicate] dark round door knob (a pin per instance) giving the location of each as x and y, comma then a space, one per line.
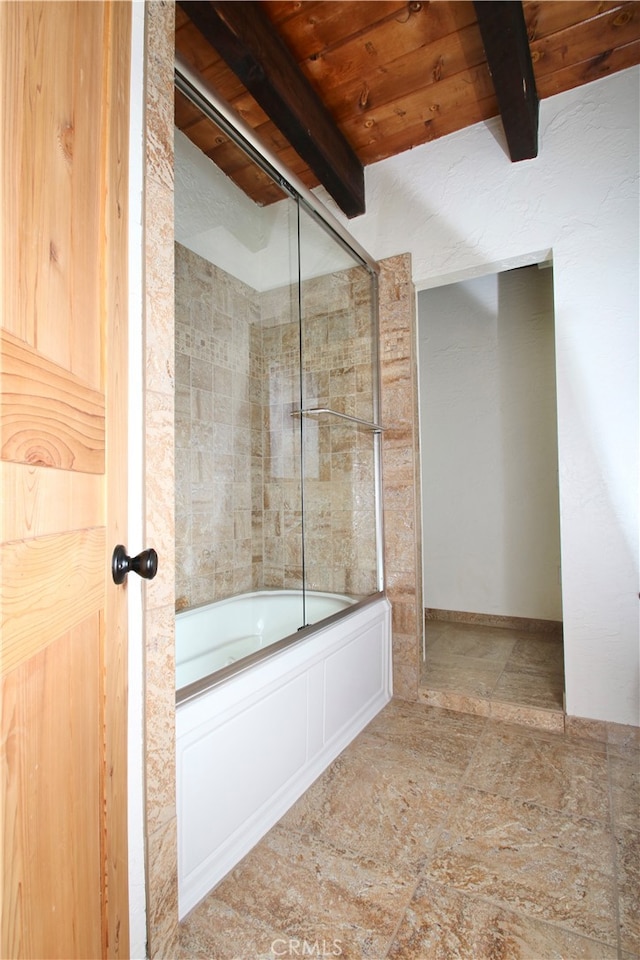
145, 564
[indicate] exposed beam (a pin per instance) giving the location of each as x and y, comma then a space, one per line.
504, 35
245, 38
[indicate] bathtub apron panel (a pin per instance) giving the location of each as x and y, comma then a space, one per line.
249, 747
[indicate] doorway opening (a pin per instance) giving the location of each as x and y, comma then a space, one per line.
491, 525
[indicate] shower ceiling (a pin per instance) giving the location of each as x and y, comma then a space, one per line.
338, 85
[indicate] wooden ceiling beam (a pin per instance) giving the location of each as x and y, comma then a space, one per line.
245, 38
504, 35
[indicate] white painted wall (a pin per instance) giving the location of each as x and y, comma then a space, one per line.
491, 525
462, 209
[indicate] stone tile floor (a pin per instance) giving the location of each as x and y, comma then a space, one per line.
439, 834
506, 674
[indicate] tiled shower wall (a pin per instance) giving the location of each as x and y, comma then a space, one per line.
339, 490
238, 458
218, 431
279, 511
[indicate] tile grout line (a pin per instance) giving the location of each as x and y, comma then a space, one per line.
396, 929
421, 876
507, 907
502, 672
614, 853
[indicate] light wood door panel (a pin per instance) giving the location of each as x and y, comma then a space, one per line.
50, 754
63, 578
64, 72
55, 67
50, 417
24, 512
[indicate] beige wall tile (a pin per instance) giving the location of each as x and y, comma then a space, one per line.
400, 456
234, 420
162, 904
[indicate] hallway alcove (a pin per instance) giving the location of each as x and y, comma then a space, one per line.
491, 526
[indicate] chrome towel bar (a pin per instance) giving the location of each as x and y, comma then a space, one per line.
315, 411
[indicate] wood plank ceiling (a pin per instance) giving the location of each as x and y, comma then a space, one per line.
386, 75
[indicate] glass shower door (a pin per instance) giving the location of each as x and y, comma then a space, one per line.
340, 434
277, 436
238, 449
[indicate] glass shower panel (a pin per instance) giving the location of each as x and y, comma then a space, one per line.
238, 455
339, 415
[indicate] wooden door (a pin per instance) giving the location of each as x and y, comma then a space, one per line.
64, 69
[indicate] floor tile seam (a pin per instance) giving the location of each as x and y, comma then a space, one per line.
543, 735
576, 753
444, 822
497, 682
394, 742
394, 935
617, 827
480, 745
430, 767
616, 895
527, 629
630, 948
621, 831
627, 752
614, 855
508, 907
519, 702
502, 646
473, 697
404, 871
257, 920
525, 673
570, 923
534, 670
243, 915
543, 808
422, 707
413, 876
462, 659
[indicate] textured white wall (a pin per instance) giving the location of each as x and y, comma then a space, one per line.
462, 209
491, 527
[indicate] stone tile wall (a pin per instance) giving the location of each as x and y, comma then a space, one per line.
218, 431
159, 594
338, 371
401, 470
238, 457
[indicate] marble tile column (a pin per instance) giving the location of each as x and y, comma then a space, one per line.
401, 470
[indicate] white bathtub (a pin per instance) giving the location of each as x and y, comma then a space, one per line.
217, 635
250, 745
